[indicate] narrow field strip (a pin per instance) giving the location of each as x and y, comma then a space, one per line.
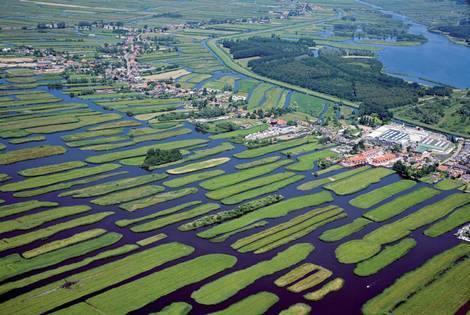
113, 186
225, 287
259, 162
252, 153
331, 286
23, 239
323, 181
53, 168
192, 178
33, 153
359, 181
156, 199
24, 206
375, 196
127, 222
297, 309
337, 234
306, 162
55, 294
273, 211
457, 218
128, 195
386, 257
13, 265
295, 274
320, 275
175, 218
254, 304
157, 284
194, 167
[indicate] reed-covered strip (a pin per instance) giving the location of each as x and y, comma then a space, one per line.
320, 275
197, 166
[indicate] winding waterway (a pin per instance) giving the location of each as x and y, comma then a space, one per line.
439, 60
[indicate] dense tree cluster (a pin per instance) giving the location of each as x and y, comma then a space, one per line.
408, 171
272, 47
157, 156
462, 30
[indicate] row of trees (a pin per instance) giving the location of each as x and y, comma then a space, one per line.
157, 156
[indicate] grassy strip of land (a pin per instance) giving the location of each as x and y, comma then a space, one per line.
223, 288
45, 180
158, 284
109, 187
4, 288
454, 220
127, 222
292, 230
152, 239
194, 167
297, 309
443, 296
228, 191
30, 221
246, 241
66, 185
375, 196
96, 141
414, 281
252, 153
55, 245
91, 134
55, 294
295, 274
136, 140
27, 139
336, 234
273, 211
331, 286
13, 265
362, 249
224, 237
449, 184
156, 199
141, 151
174, 218
176, 308
254, 304
84, 121
128, 195
53, 168
309, 282
21, 207
329, 169
400, 204
33, 153
240, 132
259, 162
27, 238
359, 181
387, 256
189, 179
241, 176
115, 124
306, 162
323, 181
274, 187
303, 148
231, 214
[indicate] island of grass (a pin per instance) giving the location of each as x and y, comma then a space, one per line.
358, 182
252, 153
33, 153
377, 195
194, 167
223, 288
258, 303
343, 231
